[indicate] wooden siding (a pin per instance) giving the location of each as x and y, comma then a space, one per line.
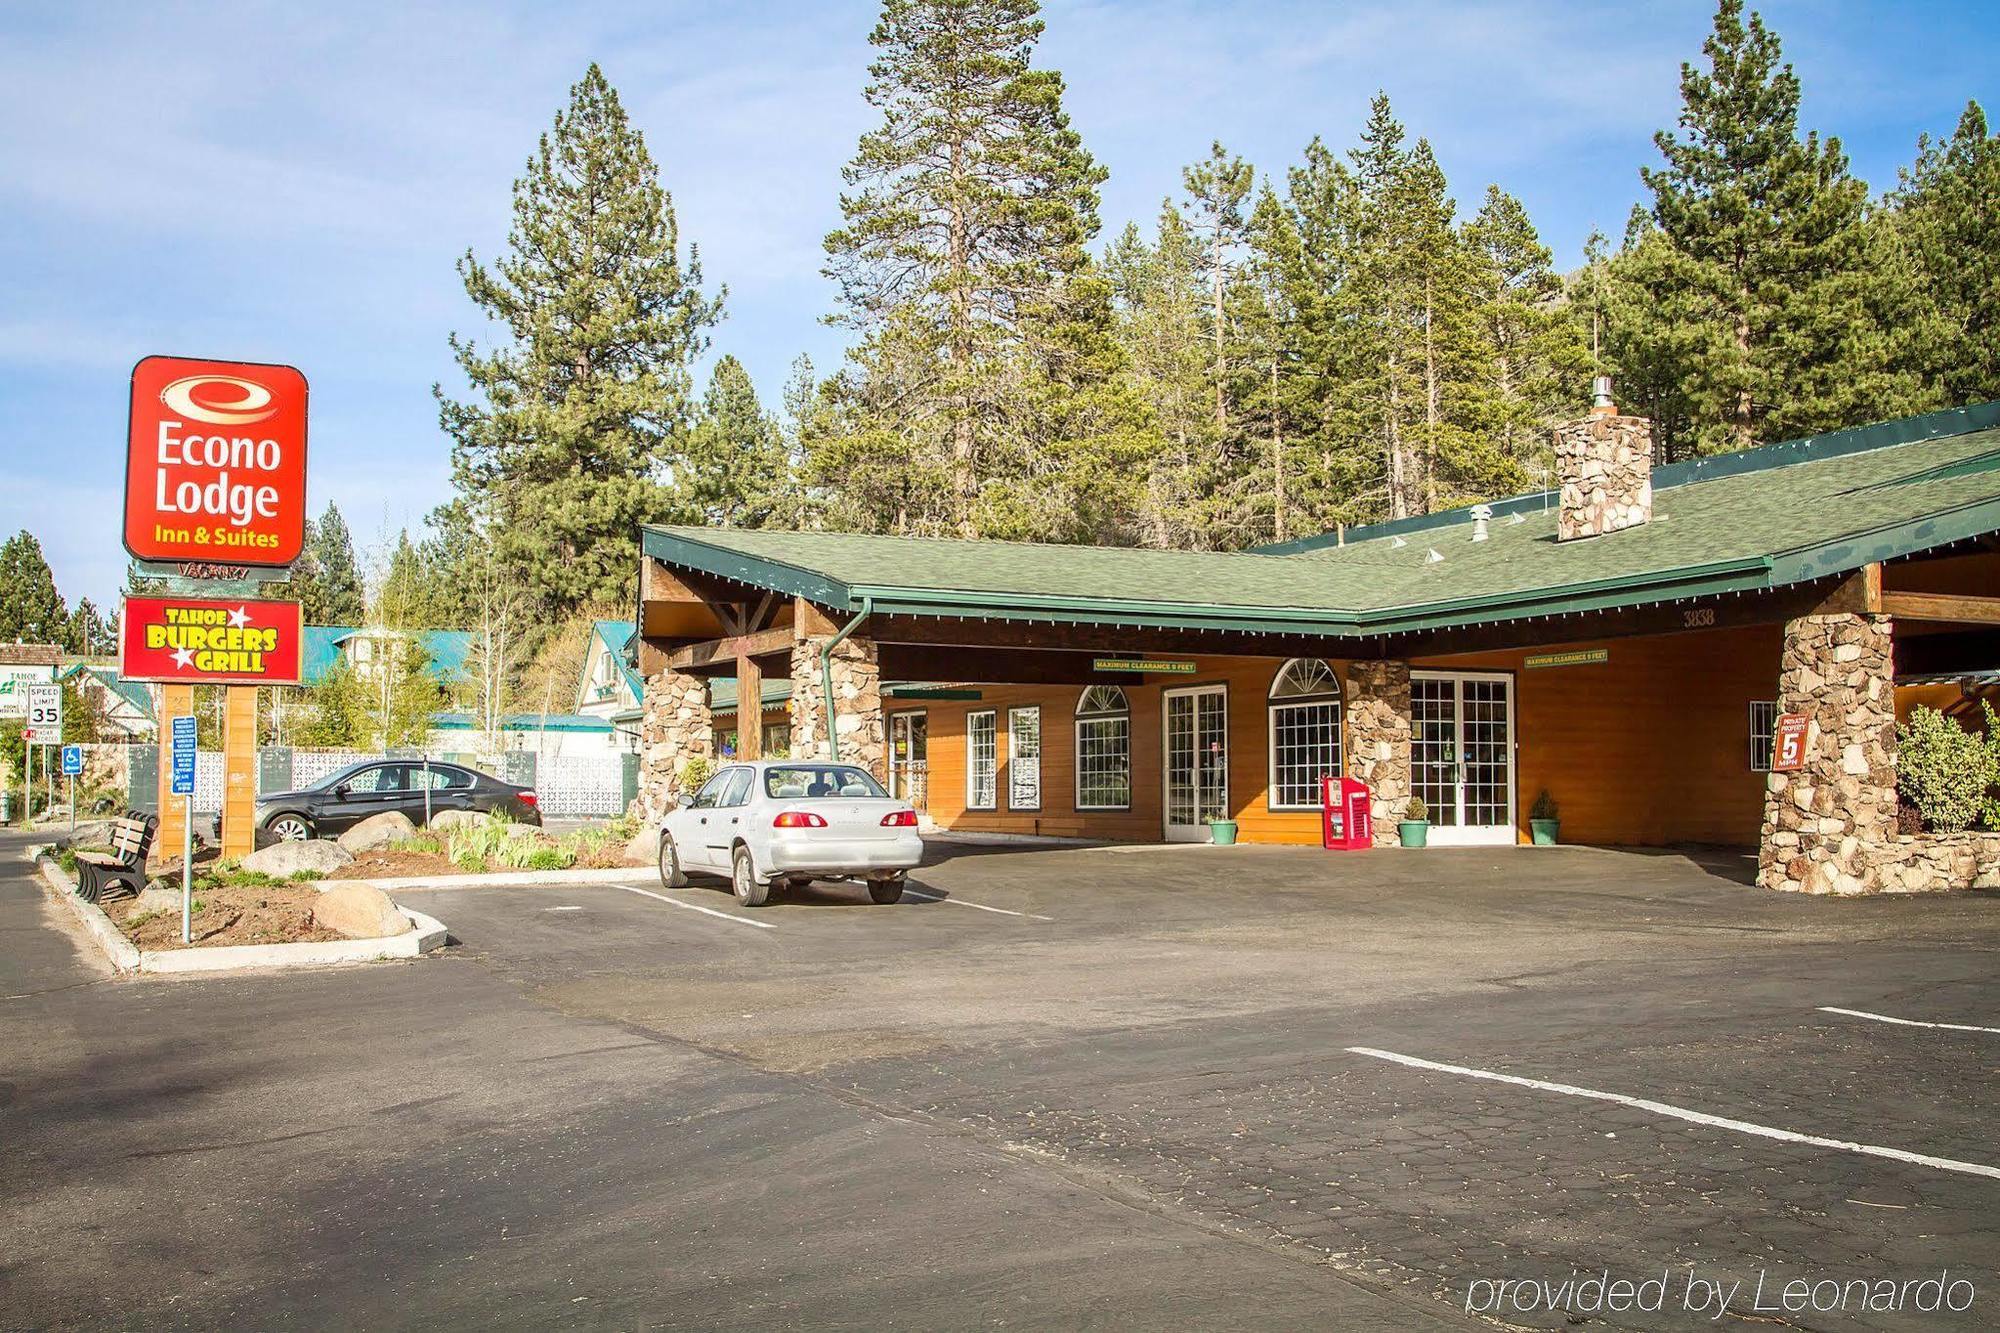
1650, 747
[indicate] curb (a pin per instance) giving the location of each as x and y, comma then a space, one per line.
512, 878
426, 933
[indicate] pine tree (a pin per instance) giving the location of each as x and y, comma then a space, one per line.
963, 265
1537, 358
336, 712
88, 632
1216, 189
585, 400
31, 610
1946, 218
1763, 313
737, 474
331, 593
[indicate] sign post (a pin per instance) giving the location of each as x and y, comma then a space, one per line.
72, 765
183, 785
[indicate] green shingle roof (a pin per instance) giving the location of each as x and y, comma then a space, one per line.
1759, 519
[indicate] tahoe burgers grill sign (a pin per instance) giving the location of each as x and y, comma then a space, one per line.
195, 640
216, 467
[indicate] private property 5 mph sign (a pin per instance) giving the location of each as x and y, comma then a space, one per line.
215, 469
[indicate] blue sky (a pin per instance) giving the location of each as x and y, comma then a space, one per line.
293, 182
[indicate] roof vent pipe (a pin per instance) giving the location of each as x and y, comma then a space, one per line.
1600, 397
1481, 516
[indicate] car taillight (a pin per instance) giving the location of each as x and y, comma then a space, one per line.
528, 799
798, 819
900, 819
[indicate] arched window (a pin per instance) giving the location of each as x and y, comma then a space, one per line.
1103, 749
1305, 732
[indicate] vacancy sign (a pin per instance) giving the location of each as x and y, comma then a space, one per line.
196, 641
215, 469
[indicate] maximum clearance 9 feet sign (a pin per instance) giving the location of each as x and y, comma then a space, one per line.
215, 467
199, 641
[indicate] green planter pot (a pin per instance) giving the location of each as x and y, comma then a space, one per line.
1222, 832
1544, 831
1414, 832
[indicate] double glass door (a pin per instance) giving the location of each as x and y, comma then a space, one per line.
1462, 754
1196, 758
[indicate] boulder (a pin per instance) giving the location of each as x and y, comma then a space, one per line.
155, 900
644, 847
377, 831
285, 859
444, 821
359, 911
89, 833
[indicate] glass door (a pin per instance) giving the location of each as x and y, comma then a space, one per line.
1196, 759
909, 758
1462, 754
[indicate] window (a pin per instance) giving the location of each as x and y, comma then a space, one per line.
1103, 749
381, 778
1024, 758
1305, 732
710, 792
981, 755
738, 791
1763, 728
799, 781
439, 777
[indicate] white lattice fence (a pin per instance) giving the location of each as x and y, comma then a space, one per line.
581, 785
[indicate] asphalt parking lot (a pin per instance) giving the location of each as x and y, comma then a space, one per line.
1247, 1087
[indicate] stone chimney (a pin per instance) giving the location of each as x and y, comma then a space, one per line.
1605, 464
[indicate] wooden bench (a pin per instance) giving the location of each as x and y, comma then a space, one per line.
124, 865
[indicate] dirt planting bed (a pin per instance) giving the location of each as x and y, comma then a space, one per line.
248, 914
387, 863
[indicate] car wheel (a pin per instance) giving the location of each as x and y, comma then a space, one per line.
743, 879
291, 828
671, 874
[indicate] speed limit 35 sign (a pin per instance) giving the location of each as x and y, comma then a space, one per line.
44, 714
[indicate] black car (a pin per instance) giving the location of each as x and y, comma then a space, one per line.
337, 803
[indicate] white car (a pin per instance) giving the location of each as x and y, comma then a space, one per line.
768, 822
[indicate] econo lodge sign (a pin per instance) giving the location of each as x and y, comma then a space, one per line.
216, 464
200, 641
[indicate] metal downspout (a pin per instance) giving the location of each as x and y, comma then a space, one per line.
826, 675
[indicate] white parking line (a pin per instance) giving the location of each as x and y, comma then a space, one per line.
696, 907
982, 907
1906, 1022
1693, 1117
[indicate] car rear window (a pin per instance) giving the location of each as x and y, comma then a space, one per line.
804, 780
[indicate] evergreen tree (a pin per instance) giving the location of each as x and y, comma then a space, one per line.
585, 401
1947, 220
327, 579
1764, 316
31, 610
737, 474
963, 265
1216, 189
336, 715
88, 632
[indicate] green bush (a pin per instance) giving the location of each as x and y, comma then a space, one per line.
548, 857
694, 773
1943, 770
1416, 809
1544, 806
304, 876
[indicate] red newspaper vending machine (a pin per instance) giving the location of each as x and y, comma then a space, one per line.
1344, 813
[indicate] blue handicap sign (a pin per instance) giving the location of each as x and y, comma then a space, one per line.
72, 760
183, 755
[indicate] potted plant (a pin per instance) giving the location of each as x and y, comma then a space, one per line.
1222, 832
1414, 828
1544, 822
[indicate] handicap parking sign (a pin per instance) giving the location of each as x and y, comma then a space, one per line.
183, 755
72, 760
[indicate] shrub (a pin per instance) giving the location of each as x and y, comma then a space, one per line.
1943, 769
548, 857
303, 876
1544, 806
1416, 809
694, 773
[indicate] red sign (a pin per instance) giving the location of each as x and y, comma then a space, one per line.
215, 464
195, 641
1346, 819
1788, 742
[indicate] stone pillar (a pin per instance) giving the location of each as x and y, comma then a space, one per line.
857, 696
1827, 823
674, 727
1605, 464
1378, 739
